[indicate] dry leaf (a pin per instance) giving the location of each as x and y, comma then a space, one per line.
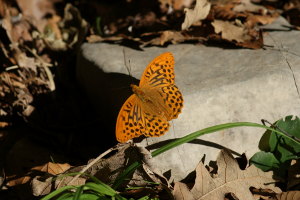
262, 193
67, 33
53, 168
294, 175
167, 36
230, 31
290, 195
43, 186
225, 12
36, 10
181, 191
3, 125
230, 179
200, 12
253, 20
179, 4
247, 5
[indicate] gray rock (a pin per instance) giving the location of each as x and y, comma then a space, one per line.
218, 86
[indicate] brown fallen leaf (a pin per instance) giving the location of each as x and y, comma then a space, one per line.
36, 10
166, 36
294, 175
248, 6
262, 193
253, 20
192, 16
68, 33
290, 195
181, 191
17, 32
225, 11
43, 185
3, 124
230, 32
230, 179
52, 168
179, 4
173, 37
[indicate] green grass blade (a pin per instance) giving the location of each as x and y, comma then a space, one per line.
212, 129
125, 174
78, 193
66, 196
58, 191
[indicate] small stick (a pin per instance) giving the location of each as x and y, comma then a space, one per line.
92, 163
264, 121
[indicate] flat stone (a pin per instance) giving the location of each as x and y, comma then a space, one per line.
218, 85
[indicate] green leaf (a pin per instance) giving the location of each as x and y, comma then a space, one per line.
265, 161
284, 148
264, 142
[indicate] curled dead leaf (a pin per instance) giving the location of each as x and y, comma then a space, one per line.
294, 175
253, 20
192, 16
290, 195
248, 6
230, 32
68, 32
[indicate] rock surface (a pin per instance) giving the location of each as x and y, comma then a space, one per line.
218, 85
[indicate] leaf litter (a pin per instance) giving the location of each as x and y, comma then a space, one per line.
37, 37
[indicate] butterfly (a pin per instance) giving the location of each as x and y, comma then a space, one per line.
156, 100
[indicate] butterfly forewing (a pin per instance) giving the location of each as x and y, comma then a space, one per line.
160, 72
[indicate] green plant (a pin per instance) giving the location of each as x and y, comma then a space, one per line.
99, 190
129, 170
278, 151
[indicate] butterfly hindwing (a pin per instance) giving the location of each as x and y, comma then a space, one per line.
130, 121
173, 100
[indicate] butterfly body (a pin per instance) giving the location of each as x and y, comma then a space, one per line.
152, 101
155, 101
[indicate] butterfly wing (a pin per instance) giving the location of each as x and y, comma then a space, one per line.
159, 78
130, 121
134, 121
159, 72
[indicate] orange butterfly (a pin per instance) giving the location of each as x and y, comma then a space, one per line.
155, 101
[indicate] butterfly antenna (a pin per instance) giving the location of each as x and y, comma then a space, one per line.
128, 67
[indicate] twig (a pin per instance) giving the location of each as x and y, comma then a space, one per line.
46, 68
92, 163
276, 127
